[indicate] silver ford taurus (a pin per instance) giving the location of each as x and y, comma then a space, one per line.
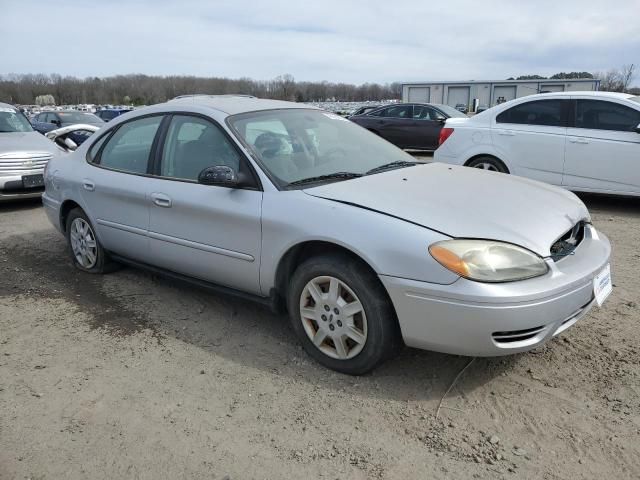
299, 208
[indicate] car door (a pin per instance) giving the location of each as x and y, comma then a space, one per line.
530, 138
603, 147
427, 123
114, 186
393, 124
208, 232
44, 123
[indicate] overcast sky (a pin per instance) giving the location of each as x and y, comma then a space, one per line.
334, 40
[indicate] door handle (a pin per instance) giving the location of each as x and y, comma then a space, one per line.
506, 133
580, 140
88, 185
161, 200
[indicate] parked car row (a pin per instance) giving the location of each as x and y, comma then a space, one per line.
302, 209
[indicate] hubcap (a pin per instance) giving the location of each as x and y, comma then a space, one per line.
333, 317
83, 243
486, 166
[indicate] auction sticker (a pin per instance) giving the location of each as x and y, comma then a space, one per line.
602, 285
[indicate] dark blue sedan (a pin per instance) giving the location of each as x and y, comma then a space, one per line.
111, 113
46, 121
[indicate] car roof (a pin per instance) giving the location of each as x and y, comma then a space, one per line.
7, 105
234, 104
587, 93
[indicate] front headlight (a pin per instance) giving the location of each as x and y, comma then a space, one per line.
488, 260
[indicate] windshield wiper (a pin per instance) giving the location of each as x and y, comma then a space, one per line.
330, 176
391, 166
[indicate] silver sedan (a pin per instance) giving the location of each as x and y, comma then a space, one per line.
301, 209
23, 156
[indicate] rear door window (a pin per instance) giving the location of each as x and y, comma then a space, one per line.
540, 112
399, 111
422, 112
603, 115
128, 149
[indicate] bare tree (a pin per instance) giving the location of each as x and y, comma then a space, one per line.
610, 81
627, 72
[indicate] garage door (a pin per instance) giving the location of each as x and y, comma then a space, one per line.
458, 95
419, 94
503, 94
551, 88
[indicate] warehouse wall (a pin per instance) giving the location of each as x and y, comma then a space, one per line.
485, 92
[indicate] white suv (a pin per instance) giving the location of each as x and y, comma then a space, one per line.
583, 141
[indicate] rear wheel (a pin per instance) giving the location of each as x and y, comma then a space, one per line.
488, 163
342, 314
84, 247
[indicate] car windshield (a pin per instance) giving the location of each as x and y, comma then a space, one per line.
450, 111
12, 120
293, 145
79, 117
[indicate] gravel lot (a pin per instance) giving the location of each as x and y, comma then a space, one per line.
133, 376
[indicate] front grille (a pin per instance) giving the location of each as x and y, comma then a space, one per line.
568, 242
17, 163
514, 336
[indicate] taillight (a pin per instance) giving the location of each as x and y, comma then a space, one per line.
444, 134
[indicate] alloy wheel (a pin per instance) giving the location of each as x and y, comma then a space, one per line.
333, 317
83, 243
486, 166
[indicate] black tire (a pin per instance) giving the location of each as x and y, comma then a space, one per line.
103, 264
383, 338
495, 164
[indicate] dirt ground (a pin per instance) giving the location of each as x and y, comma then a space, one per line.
133, 376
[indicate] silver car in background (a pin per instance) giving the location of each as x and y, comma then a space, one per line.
23, 156
366, 249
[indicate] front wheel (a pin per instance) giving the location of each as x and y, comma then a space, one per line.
488, 163
342, 314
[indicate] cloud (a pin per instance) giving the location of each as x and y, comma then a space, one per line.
353, 41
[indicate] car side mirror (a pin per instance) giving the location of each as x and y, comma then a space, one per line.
70, 144
219, 175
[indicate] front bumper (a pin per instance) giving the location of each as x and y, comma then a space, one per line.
11, 187
483, 319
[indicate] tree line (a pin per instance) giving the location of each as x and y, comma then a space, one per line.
138, 89
613, 80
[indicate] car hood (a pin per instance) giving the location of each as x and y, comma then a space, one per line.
466, 203
26, 142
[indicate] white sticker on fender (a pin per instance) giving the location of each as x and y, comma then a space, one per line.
602, 285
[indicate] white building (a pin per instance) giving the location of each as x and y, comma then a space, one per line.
489, 92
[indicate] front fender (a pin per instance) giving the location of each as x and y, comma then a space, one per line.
390, 246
